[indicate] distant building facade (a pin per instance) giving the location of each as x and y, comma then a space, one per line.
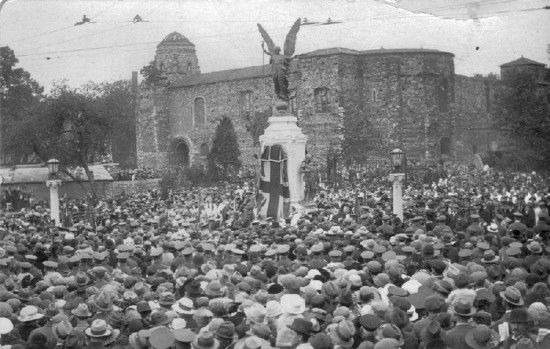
411, 98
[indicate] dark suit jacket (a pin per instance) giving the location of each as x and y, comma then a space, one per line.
456, 337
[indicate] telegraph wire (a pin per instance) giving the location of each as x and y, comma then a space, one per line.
26, 53
59, 29
414, 14
88, 35
77, 37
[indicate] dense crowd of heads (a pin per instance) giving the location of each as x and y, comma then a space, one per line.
467, 267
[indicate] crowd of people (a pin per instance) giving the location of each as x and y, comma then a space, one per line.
467, 268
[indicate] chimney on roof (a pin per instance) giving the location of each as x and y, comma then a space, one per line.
134, 82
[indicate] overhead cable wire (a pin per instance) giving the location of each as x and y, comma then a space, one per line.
76, 38
25, 53
59, 29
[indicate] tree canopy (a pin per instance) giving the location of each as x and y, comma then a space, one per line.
117, 103
151, 75
70, 126
20, 96
223, 159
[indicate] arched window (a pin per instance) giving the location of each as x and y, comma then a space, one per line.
445, 146
204, 149
198, 111
373, 97
322, 100
189, 66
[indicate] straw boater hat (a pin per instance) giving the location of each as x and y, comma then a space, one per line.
184, 306
489, 257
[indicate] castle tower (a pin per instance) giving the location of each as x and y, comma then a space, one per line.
176, 57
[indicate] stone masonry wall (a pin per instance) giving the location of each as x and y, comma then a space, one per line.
152, 128
474, 103
408, 99
323, 129
221, 99
413, 100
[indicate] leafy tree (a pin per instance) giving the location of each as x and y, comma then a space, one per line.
19, 97
223, 159
151, 75
257, 124
523, 113
70, 126
117, 103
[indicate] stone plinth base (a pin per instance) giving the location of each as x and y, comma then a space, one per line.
284, 131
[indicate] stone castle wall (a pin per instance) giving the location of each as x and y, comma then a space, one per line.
474, 108
412, 99
220, 99
407, 98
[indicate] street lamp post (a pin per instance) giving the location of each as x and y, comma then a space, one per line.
397, 177
53, 183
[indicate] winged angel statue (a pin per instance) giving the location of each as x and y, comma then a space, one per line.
280, 63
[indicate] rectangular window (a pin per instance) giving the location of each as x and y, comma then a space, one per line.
246, 105
322, 101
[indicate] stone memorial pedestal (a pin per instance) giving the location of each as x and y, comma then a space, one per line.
284, 131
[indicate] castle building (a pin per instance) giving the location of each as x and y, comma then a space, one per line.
407, 98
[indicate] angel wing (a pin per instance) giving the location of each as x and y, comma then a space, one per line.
290, 42
267, 39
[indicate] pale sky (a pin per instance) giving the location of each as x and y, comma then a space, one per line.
50, 47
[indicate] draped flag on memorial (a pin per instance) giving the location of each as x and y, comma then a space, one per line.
274, 192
